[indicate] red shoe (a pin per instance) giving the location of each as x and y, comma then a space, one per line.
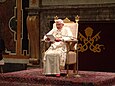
57, 75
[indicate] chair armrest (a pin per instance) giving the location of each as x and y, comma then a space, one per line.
72, 45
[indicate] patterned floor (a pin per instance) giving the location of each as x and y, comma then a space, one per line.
35, 77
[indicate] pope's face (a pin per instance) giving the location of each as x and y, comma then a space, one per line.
59, 25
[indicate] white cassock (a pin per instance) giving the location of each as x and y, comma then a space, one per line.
55, 56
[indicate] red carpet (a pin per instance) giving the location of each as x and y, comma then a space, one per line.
34, 77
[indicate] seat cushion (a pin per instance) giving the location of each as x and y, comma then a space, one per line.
71, 59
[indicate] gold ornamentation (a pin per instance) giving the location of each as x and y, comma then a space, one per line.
89, 41
77, 18
56, 18
66, 20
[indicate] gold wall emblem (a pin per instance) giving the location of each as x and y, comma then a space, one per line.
88, 42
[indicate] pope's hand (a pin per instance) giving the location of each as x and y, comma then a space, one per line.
57, 39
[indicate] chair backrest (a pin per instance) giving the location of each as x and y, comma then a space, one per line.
72, 25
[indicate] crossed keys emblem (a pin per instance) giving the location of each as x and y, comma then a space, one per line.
88, 42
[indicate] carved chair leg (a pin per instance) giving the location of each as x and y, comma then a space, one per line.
67, 70
74, 68
1, 69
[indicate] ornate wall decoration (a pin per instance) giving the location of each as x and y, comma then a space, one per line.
33, 32
6, 13
88, 42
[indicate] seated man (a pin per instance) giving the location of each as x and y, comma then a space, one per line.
55, 56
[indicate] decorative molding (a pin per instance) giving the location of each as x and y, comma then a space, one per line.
90, 12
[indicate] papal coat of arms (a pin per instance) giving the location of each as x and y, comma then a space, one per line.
88, 41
